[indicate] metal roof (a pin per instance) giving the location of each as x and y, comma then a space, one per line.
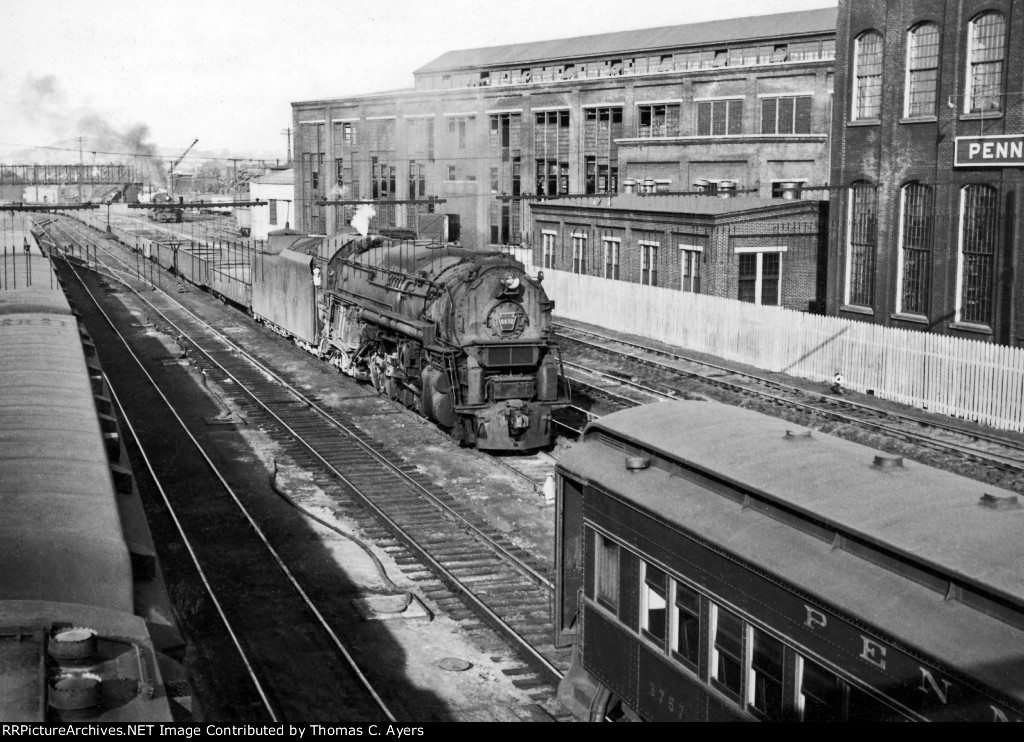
672, 204
928, 516
666, 37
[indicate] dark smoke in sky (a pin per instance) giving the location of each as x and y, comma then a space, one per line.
44, 104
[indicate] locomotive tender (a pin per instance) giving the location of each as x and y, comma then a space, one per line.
718, 564
87, 632
463, 337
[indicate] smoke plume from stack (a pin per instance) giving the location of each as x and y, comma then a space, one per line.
361, 220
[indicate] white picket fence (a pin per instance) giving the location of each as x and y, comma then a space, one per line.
948, 375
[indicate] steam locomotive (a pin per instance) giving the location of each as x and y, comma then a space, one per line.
461, 336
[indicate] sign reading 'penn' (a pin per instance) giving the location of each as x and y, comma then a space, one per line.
1006, 150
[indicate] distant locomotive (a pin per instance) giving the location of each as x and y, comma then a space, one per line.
87, 632
461, 336
718, 564
166, 214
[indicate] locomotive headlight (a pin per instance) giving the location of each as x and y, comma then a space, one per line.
510, 282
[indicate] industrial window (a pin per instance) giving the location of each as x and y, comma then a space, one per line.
606, 573
417, 179
348, 134
691, 270
552, 177
659, 120
382, 134
494, 180
611, 258
867, 76
860, 259
654, 604
985, 54
922, 70
719, 117
917, 215
786, 115
760, 274
460, 129
601, 177
726, 650
979, 234
548, 249
579, 254
451, 172
504, 131
764, 682
273, 211
649, 263
686, 625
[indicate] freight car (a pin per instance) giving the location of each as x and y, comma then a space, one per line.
463, 337
87, 632
714, 563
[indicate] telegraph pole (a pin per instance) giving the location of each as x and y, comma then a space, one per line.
288, 133
81, 165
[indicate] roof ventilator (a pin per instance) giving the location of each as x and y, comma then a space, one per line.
998, 502
888, 463
637, 463
798, 435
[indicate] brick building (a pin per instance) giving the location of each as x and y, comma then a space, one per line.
927, 146
747, 248
743, 100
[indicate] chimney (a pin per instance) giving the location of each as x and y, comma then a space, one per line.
726, 188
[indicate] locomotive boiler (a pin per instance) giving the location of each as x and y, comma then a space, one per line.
463, 337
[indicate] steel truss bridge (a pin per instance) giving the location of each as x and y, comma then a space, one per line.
66, 174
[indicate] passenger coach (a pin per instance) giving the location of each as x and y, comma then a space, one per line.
718, 564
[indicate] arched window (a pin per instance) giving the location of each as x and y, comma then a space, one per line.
860, 257
867, 76
922, 70
986, 51
979, 236
917, 214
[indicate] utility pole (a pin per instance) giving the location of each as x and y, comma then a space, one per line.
288, 133
81, 165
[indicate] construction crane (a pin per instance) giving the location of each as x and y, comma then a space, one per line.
170, 175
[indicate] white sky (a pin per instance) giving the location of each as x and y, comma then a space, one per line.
226, 71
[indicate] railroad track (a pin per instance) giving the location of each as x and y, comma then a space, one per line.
467, 567
677, 372
264, 608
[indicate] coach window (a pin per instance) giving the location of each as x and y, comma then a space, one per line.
824, 696
686, 625
606, 573
653, 604
726, 650
764, 683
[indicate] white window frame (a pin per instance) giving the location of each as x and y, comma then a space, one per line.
548, 248
614, 244
855, 87
698, 251
968, 88
579, 252
759, 281
906, 70
645, 257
